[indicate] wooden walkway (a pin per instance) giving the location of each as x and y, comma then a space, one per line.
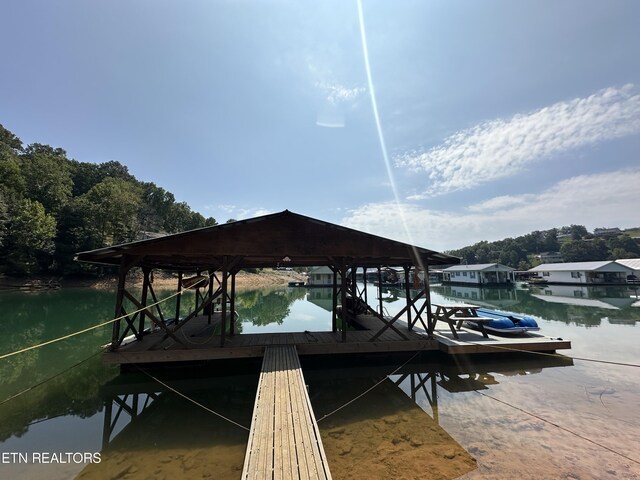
284, 442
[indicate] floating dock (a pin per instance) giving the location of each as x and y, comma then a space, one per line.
200, 340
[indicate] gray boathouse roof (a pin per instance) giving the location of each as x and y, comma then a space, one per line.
479, 267
602, 266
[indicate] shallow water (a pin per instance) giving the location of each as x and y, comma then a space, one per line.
515, 417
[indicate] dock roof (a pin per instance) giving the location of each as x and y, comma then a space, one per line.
285, 239
633, 263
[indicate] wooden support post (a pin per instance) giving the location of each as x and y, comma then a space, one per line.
197, 290
413, 387
343, 299
210, 293
232, 304
354, 288
364, 280
434, 395
431, 321
143, 301
407, 291
122, 277
334, 300
223, 305
380, 291
106, 426
177, 318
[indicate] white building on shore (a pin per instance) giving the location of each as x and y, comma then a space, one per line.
320, 277
583, 273
479, 274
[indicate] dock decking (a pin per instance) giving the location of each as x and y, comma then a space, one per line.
200, 342
284, 442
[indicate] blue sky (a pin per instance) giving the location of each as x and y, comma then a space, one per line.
498, 117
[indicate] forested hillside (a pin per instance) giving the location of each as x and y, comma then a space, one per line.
52, 207
574, 243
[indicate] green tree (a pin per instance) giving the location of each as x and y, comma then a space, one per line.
10, 145
623, 246
47, 176
156, 205
584, 250
31, 244
112, 207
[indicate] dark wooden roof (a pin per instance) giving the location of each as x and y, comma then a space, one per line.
267, 241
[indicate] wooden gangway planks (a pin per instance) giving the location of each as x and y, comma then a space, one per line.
284, 441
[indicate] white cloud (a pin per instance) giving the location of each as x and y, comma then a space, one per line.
501, 148
599, 200
336, 98
336, 93
238, 212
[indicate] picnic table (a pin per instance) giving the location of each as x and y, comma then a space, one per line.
456, 314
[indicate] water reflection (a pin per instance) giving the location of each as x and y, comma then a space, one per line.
151, 432
426, 418
392, 430
585, 306
265, 307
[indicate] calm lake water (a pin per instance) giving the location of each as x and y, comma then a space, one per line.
497, 417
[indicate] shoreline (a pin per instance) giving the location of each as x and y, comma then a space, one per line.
244, 281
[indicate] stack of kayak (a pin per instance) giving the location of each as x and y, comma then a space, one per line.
505, 322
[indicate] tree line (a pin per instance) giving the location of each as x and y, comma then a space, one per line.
52, 207
575, 243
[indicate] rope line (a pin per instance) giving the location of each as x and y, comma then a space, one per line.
559, 426
195, 402
372, 387
94, 327
49, 379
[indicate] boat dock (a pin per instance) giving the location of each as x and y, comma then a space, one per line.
284, 441
199, 340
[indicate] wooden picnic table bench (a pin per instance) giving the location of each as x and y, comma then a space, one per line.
456, 314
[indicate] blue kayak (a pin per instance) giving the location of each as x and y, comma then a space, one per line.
506, 322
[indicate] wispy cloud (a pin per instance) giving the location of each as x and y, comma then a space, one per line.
336, 99
237, 212
600, 200
503, 147
336, 93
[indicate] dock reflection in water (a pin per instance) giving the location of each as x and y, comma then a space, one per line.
391, 431
151, 432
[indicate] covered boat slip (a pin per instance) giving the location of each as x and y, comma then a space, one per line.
216, 254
